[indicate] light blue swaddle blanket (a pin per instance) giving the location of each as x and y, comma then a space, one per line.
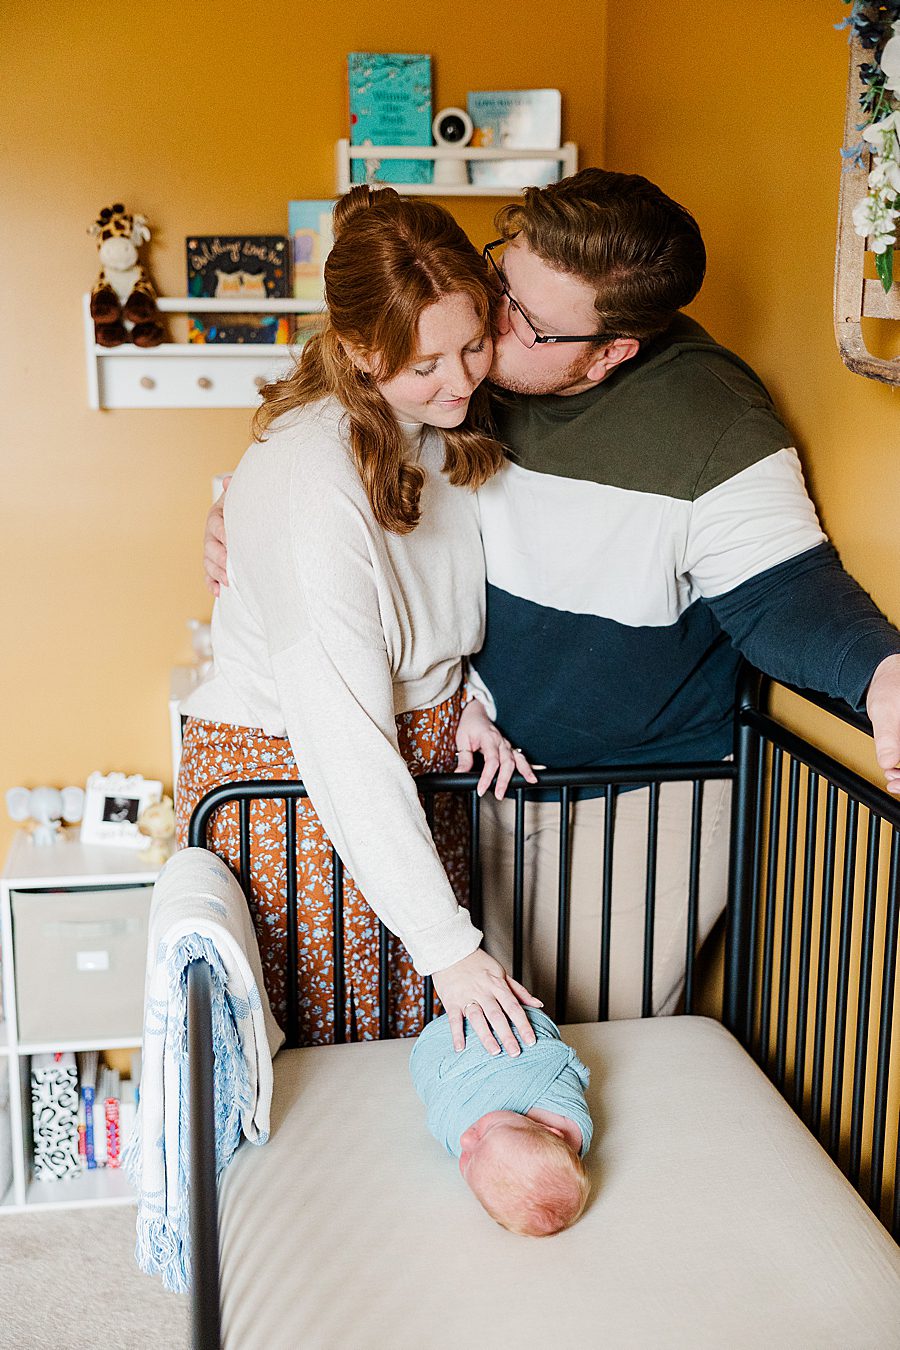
459, 1088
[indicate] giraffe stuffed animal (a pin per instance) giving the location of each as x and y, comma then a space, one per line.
123, 301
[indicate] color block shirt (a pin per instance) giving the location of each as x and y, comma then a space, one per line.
642, 536
329, 627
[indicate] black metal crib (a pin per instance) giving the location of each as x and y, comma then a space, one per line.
811, 930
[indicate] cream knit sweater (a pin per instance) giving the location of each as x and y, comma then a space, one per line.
329, 627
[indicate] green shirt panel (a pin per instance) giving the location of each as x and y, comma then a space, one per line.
680, 418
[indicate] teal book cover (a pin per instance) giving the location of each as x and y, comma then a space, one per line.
390, 104
515, 119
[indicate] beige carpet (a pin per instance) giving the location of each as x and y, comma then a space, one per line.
68, 1281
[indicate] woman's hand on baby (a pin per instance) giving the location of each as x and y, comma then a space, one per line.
478, 988
476, 731
215, 552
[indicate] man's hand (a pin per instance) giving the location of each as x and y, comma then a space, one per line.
476, 731
215, 552
883, 707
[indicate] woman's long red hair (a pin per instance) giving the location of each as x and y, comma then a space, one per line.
392, 257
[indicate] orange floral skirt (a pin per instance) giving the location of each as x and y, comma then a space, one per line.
216, 752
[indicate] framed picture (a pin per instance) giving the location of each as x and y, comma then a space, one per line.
113, 803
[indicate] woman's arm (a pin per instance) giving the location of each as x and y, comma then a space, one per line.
330, 664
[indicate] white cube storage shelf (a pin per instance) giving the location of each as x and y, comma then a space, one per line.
36, 873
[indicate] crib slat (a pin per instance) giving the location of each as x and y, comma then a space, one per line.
787, 921
693, 895
609, 829
244, 831
756, 886
562, 913
292, 1029
383, 981
826, 909
843, 980
650, 900
765, 1015
809, 870
864, 997
475, 907
519, 885
339, 984
427, 986
888, 986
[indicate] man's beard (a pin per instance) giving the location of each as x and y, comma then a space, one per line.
550, 384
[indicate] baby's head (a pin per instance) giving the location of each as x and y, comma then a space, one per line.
525, 1173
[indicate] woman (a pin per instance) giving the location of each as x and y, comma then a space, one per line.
356, 588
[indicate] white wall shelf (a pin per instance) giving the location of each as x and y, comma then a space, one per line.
70, 866
189, 374
565, 155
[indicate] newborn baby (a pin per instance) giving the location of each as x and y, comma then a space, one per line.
520, 1127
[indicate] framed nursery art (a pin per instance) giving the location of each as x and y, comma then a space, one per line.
112, 808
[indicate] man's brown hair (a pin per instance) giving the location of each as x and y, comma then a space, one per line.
641, 251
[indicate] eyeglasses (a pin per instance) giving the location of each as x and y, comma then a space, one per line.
519, 321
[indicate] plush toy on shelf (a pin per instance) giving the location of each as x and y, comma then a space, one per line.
157, 821
123, 301
45, 808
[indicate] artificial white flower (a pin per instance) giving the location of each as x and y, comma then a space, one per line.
875, 218
886, 174
890, 61
882, 136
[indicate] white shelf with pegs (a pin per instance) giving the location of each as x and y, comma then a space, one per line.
188, 374
565, 155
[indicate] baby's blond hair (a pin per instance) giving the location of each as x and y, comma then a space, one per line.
535, 1184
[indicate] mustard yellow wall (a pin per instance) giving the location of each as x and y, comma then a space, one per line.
207, 118
737, 111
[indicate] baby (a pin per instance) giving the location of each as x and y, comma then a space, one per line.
520, 1127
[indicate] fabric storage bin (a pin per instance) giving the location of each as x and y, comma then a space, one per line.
79, 963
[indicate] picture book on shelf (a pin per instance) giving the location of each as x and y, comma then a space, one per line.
509, 119
390, 104
309, 225
238, 267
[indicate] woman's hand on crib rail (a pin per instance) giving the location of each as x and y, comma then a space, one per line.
478, 988
476, 732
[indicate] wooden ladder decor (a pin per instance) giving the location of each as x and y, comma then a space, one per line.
856, 297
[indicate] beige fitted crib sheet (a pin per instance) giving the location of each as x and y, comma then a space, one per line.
715, 1221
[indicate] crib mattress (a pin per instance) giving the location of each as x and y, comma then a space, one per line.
716, 1220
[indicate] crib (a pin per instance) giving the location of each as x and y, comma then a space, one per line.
746, 1171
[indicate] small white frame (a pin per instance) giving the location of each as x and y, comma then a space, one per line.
113, 804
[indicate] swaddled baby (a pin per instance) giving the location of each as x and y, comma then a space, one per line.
520, 1127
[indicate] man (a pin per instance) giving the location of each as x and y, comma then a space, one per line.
651, 526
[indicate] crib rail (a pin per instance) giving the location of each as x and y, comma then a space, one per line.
810, 953
813, 927
564, 786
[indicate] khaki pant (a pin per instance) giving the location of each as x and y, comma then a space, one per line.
541, 893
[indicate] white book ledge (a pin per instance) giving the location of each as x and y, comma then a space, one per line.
189, 374
566, 156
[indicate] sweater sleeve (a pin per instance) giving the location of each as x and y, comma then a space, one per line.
333, 676
758, 556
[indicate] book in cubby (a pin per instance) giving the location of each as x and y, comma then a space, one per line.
390, 104
515, 119
239, 267
310, 229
